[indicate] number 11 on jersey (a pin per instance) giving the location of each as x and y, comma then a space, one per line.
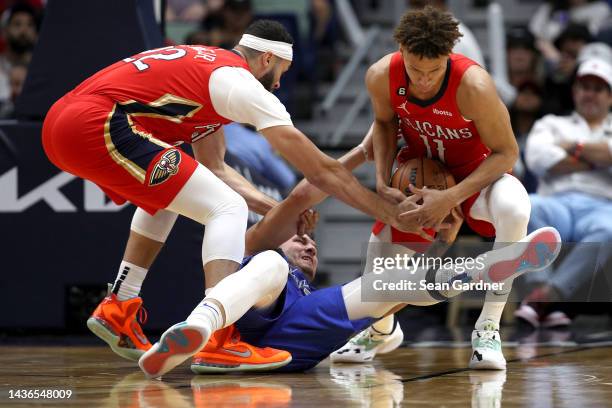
440, 148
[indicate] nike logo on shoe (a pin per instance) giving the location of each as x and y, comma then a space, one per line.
244, 354
139, 336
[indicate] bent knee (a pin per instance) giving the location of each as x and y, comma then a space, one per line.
275, 268
232, 204
517, 215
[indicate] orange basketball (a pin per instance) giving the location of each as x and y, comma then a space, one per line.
421, 172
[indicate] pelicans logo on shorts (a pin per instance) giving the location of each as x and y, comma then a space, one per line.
166, 167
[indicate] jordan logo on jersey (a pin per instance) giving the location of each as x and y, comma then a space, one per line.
166, 167
403, 107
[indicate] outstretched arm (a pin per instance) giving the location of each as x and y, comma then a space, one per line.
280, 223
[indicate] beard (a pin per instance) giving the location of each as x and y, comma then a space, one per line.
20, 44
268, 81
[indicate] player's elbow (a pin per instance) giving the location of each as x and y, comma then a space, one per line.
301, 193
513, 154
510, 153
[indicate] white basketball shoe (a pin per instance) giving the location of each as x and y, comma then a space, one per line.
366, 344
487, 348
533, 253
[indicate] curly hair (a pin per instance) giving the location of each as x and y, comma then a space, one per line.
428, 33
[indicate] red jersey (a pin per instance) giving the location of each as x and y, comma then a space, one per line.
435, 128
165, 91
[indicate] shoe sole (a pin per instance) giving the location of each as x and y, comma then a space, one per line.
397, 337
394, 340
176, 345
110, 336
542, 248
208, 368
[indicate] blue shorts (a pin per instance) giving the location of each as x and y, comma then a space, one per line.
310, 327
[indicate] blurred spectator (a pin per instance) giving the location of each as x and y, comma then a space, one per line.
252, 148
319, 10
467, 44
572, 155
596, 50
560, 72
20, 30
235, 15
525, 110
17, 76
524, 74
191, 10
552, 17
523, 57
322, 13
224, 27
313, 26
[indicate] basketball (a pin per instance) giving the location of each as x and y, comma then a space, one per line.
421, 172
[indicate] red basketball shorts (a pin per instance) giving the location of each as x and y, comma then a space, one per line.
91, 137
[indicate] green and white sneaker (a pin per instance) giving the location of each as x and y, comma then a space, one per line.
487, 349
366, 344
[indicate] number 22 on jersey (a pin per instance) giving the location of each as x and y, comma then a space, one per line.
165, 53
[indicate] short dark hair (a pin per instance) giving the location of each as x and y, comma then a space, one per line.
9, 13
429, 32
573, 32
269, 30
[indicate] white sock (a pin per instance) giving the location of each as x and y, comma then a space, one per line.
495, 301
258, 284
488, 324
129, 281
492, 309
206, 314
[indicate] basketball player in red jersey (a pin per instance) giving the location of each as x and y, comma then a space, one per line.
446, 108
120, 129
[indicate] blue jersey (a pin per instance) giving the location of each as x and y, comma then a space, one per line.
308, 323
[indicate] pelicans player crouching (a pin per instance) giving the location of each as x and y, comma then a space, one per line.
446, 107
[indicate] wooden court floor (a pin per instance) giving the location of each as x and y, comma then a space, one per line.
575, 376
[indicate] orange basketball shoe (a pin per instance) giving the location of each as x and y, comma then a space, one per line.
225, 352
115, 322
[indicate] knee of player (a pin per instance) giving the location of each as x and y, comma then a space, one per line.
513, 213
277, 268
233, 204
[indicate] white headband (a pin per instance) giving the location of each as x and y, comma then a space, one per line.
279, 48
